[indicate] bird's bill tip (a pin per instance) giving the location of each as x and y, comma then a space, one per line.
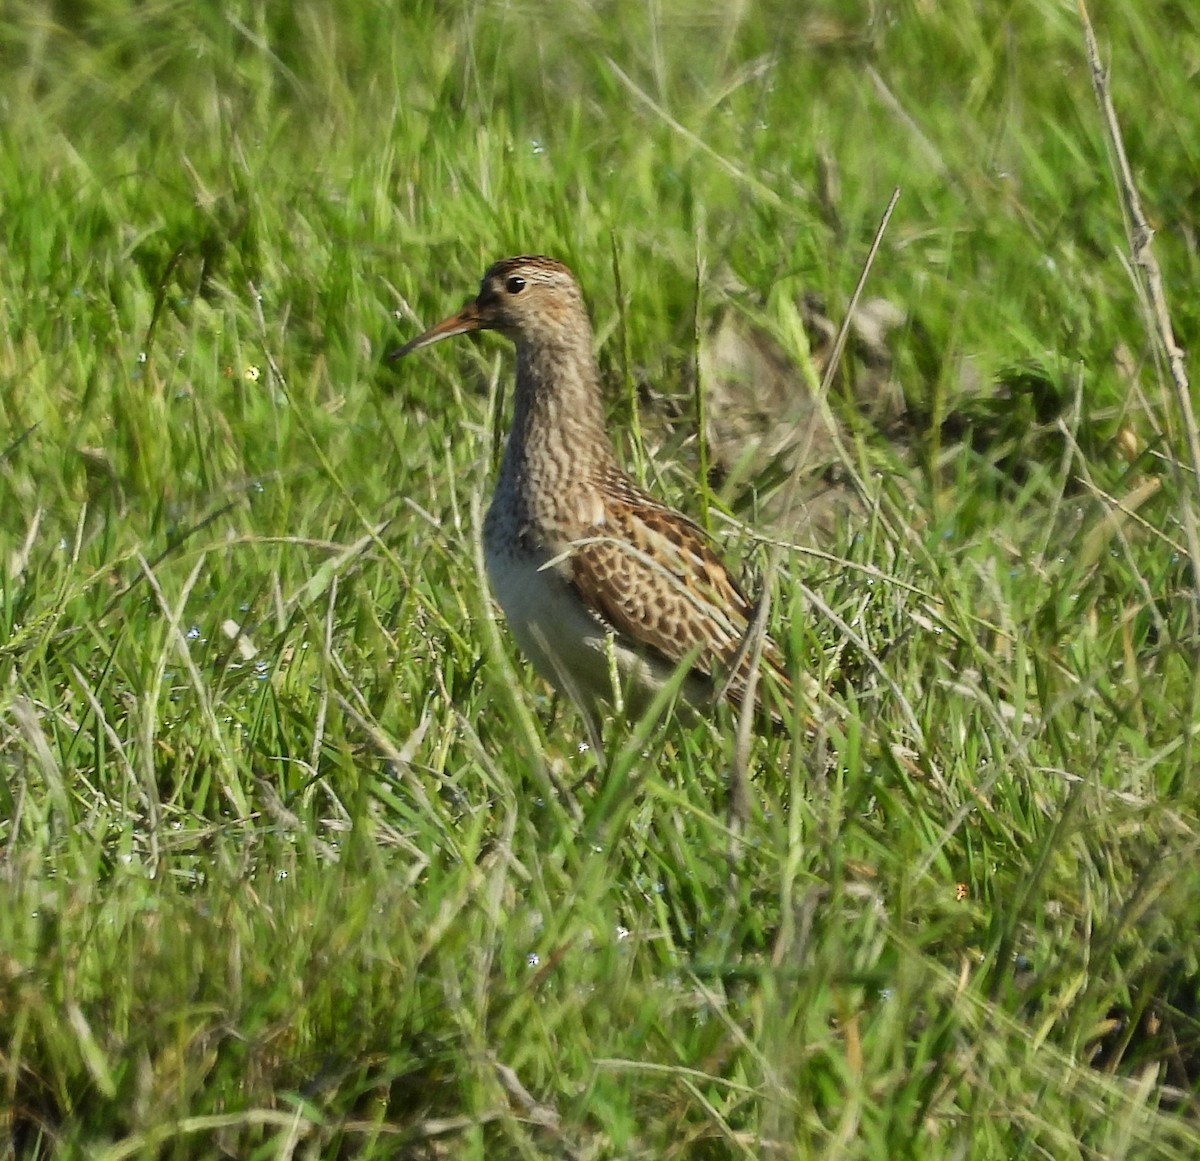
466, 320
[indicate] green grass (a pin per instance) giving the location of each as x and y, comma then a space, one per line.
297, 858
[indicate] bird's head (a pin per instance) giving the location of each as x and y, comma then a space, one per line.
530, 300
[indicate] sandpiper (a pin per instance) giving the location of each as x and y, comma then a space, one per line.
587, 567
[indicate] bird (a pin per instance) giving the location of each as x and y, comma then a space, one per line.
588, 568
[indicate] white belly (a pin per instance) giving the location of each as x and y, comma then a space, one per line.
567, 644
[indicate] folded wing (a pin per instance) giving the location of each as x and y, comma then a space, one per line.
652, 575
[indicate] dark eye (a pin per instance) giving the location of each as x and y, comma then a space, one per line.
515, 284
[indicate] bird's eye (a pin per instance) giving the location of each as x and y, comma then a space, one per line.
515, 284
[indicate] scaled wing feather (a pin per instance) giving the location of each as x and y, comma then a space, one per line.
652, 575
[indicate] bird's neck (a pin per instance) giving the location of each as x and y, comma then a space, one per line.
558, 417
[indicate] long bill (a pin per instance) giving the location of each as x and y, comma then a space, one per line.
465, 320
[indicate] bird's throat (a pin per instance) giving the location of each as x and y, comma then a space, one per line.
558, 417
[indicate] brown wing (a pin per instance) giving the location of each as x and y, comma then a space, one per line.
653, 576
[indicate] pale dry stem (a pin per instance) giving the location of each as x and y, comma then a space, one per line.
1150, 280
